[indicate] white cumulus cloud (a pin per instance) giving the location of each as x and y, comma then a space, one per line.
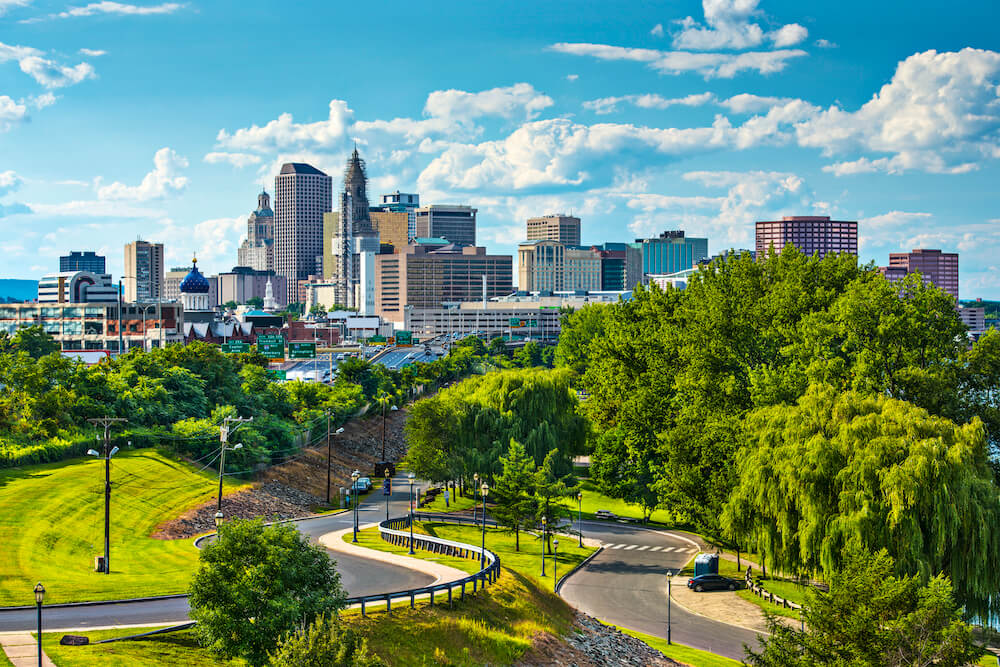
729, 24
238, 160
657, 30
93, 53
119, 8
53, 75
11, 112
606, 105
284, 133
163, 180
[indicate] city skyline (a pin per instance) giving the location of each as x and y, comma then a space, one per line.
651, 122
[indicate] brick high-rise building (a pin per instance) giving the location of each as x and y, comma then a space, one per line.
811, 234
555, 227
935, 267
430, 272
404, 201
302, 195
142, 281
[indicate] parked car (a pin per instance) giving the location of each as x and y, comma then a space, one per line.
363, 484
605, 514
712, 582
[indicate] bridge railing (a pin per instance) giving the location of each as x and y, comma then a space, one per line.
396, 532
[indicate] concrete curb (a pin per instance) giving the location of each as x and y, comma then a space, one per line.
579, 565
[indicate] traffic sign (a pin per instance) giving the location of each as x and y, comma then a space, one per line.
302, 350
277, 374
271, 350
235, 346
404, 338
377, 340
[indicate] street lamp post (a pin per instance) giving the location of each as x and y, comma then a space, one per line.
544, 525
39, 598
106, 422
384, 400
329, 453
475, 506
354, 494
485, 489
555, 566
410, 480
388, 488
218, 520
579, 515
670, 576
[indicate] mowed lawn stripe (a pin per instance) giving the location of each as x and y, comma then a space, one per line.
52, 526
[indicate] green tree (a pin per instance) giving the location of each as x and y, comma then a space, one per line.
580, 328
839, 468
255, 302
871, 618
317, 309
35, 342
498, 347
230, 305
550, 487
515, 505
325, 643
258, 583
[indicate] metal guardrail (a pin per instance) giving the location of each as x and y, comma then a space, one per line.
395, 531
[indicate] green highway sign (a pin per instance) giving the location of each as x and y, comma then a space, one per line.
271, 339
404, 338
376, 339
235, 346
533, 323
277, 374
302, 350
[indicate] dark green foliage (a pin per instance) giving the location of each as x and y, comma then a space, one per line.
257, 584
515, 506
325, 643
847, 468
871, 618
34, 342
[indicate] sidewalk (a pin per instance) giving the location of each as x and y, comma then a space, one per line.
22, 650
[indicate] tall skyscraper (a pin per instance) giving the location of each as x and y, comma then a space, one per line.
257, 250
403, 201
302, 195
556, 227
553, 266
143, 278
811, 234
456, 224
348, 232
88, 261
935, 267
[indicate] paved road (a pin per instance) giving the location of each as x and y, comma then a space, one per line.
359, 577
625, 584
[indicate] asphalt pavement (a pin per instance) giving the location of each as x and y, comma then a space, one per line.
625, 584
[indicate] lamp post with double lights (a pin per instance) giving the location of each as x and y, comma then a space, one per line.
485, 490
555, 567
409, 478
579, 515
39, 598
545, 523
107, 502
354, 494
222, 469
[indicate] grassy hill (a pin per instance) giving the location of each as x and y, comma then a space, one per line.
52, 526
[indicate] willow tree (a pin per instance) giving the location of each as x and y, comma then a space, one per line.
840, 467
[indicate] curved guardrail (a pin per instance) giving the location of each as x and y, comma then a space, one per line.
396, 532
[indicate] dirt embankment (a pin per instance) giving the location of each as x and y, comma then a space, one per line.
296, 488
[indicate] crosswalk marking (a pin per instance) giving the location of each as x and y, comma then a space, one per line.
650, 548
630, 547
643, 547
655, 548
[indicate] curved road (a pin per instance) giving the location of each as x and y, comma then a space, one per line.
358, 575
625, 584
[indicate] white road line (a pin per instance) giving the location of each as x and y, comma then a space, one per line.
643, 547
668, 548
655, 548
615, 546
630, 547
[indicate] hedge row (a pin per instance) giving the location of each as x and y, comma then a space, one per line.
14, 454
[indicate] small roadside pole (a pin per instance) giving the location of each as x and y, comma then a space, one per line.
555, 566
670, 576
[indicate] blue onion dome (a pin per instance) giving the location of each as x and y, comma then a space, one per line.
194, 282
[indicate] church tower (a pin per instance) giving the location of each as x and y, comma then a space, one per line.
356, 190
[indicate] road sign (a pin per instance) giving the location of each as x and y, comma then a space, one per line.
386, 487
273, 339
277, 374
271, 350
235, 346
404, 338
532, 323
376, 340
302, 350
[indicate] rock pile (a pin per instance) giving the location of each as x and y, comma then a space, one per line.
271, 500
593, 645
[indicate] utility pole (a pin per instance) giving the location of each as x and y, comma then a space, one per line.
224, 433
107, 422
121, 336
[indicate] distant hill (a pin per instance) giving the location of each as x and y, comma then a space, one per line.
21, 290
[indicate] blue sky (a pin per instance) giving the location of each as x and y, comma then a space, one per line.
162, 120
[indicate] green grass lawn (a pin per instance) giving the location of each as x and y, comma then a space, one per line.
727, 568
594, 500
457, 504
684, 654
167, 650
52, 526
